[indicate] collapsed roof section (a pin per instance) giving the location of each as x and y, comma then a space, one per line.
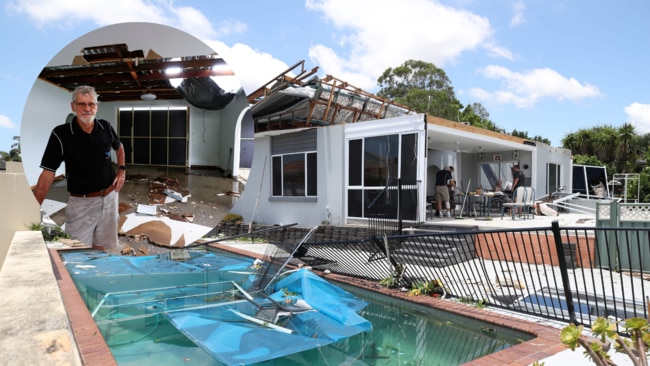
120, 74
304, 100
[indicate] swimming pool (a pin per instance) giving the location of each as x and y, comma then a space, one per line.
403, 333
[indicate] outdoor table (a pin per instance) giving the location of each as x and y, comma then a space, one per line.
477, 205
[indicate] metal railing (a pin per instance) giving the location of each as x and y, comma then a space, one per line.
391, 207
558, 273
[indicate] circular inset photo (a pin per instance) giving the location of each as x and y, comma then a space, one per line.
144, 120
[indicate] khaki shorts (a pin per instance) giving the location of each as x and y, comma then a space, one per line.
93, 220
442, 194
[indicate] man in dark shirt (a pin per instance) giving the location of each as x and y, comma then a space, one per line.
518, 177
443, 181
84, 145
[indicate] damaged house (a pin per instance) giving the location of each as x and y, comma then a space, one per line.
325, 150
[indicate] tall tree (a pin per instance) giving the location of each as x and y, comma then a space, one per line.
524, 134
422, 86
478, 116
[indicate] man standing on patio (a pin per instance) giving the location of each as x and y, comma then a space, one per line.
443, 181
518, 177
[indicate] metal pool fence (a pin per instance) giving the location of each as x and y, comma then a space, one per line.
572, 274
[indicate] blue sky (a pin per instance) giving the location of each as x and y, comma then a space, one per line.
548, 67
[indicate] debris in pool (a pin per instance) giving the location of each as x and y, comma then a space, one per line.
84, 266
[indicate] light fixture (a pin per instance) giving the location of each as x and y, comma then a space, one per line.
148, 96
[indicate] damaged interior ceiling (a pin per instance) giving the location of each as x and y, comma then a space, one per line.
119, 74
304, 100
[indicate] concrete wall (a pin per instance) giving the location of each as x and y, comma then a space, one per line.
19, 207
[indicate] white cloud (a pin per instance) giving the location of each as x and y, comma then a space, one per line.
384, 35
518, 16
252, 67
639, 116
526, 89
5, 122
66, 13
44, 13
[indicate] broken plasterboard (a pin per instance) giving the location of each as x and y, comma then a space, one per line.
175, 196
146, 209
167, 232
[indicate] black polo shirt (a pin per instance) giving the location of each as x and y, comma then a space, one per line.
442, 177
87, 157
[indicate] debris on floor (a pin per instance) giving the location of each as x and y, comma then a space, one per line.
146, 209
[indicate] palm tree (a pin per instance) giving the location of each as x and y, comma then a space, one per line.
604, 142
583, 142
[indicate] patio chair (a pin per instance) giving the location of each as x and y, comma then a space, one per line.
524, 199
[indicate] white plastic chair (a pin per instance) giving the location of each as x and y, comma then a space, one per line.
524, 199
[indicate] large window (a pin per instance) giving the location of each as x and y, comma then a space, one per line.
294, 165
154, 136
294, 175
377, 161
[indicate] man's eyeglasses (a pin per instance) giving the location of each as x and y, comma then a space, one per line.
84, 105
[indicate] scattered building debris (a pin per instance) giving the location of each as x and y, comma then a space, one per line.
72, 242
146, 209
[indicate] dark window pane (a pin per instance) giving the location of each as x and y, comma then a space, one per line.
354, 164
380, 160
159, 123
178, 123
355, 203
409, 203
140, 123
141, 150
312, 175
159, 151
293, 166
409, 159
384, 205
177, 152
277, 176
126, 122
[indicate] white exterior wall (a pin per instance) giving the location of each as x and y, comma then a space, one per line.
257, 205
547, 154
330, 206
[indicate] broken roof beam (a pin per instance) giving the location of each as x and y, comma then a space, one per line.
112, 52
282, 80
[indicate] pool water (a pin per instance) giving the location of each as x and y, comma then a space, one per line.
403, 333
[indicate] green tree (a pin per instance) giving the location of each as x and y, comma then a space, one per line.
619, 149
478, 116
422, 86
14, 153
524, 135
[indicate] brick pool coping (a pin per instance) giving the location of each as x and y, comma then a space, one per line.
94, 350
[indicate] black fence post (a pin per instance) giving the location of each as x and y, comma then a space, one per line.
399, 207
555, 227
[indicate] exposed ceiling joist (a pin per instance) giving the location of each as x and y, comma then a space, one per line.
120, 74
